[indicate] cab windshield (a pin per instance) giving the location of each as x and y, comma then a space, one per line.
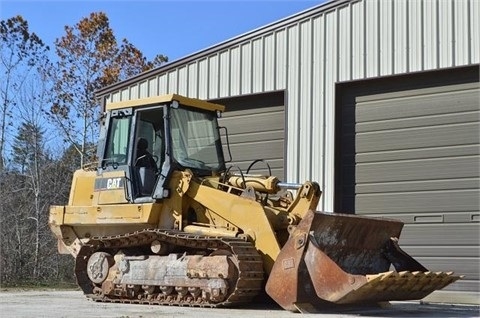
195, 140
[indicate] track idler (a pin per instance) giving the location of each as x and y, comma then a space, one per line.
345, 259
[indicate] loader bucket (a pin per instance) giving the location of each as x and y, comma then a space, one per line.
335, 258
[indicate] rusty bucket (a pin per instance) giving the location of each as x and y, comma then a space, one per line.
335, 258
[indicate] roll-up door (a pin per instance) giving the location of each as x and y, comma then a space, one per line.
414, 155
256, 130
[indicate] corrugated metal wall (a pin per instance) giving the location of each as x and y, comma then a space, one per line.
308, 53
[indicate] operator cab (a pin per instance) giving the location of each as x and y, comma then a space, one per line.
149, 139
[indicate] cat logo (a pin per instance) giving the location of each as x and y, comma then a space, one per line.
109, 183
114, 183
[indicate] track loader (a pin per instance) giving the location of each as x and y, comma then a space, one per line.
161, 220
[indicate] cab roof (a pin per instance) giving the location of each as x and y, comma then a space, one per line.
162, 99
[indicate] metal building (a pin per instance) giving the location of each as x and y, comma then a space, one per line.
377, 100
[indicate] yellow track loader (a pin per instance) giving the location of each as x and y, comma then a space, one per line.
161, 220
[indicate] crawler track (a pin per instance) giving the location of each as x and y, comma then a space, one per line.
248, 265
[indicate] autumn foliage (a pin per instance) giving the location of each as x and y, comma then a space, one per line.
89, 58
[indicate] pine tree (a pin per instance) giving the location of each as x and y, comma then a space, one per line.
28, 147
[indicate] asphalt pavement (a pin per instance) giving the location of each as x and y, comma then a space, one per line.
61, 303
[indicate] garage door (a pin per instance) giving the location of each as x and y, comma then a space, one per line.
256, 130
414, 154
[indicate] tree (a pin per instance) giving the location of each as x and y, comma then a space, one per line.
28, 251
129, 62
33, 178
28, 152
89, 58
27, 146
21, 52
32, 91
22, 211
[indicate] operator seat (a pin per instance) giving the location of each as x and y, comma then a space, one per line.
145, 168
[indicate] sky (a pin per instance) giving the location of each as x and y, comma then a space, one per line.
172, 28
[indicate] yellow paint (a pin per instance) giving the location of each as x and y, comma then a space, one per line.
157, 100
81, 192
56, 214
242, 213
112, 214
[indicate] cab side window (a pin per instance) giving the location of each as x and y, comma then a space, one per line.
117, 141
